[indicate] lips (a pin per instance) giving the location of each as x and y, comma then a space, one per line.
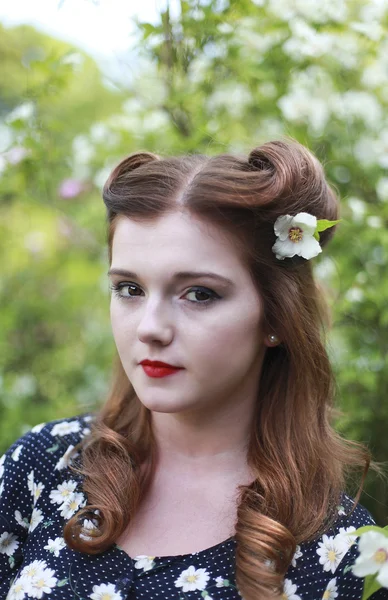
158, 363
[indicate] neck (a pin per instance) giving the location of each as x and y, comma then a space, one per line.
207, 440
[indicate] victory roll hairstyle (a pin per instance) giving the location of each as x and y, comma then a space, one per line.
301, 464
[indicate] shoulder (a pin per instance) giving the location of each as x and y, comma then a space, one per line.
45, 447
324, 565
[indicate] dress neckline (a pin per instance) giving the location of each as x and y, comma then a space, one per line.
228, 543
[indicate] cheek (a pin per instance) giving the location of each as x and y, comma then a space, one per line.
235, 338
121, 324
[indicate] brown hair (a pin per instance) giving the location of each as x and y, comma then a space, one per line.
300, 462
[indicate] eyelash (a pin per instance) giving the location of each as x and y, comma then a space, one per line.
117, 287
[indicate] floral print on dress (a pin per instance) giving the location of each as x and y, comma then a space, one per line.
105, 591
65, 428
16, 453
39, 493
144, 562
331, 551
8, 543
192, 579
35, 580
289, 591
330, 592
55, 546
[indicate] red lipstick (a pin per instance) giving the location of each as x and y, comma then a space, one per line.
156, 368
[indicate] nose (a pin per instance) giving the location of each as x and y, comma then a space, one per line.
155, 324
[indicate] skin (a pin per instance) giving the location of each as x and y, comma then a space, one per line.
202, 414
163, 320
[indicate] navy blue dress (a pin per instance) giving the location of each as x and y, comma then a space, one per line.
38, 494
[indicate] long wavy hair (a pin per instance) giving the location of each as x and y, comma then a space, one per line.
300, 463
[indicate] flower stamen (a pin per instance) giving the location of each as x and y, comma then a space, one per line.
295, 234
380, 556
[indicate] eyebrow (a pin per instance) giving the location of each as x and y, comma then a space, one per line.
180, 276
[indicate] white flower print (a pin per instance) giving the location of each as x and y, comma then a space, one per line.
30, 482
289, 590
331, 552
344, 534
298, 554
35, 488
38, 428
88, 526
16, 453
65, 428
192, 579
66, 459
105, 591
20, 520
38, 487
36, 579
8, 543
1, 487
88, 418
33, 569
341, 510
72, 504
43, 583
330, 592
85, 431
2, 459
19, 589
144, 562
55, 546
221, 582
63, 492
36, 518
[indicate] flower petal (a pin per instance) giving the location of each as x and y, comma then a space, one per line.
285, 249
305, 221
308, 247
370, 541
282, 226
382, 577
365, 566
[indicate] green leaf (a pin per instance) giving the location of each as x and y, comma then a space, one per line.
361, 530
323, 224
62, 582
370, 586
347, 568
53, 448
316, 235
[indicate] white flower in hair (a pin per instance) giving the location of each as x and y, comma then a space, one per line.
299, 235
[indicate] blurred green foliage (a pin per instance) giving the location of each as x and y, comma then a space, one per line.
222, 76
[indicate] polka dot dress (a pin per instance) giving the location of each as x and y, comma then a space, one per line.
39, 494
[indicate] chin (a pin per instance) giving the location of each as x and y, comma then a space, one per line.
167, 406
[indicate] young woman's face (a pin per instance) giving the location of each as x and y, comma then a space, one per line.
209, 327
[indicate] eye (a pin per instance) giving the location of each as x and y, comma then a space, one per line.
132, 287
118, 287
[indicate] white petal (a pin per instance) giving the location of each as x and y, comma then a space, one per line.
308, 247
364, 567
285, 249
370, 541
382, 577
305, 221
282, 226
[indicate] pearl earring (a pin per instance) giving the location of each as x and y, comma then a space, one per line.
273, 338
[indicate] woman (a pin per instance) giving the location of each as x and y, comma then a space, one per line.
218, 475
